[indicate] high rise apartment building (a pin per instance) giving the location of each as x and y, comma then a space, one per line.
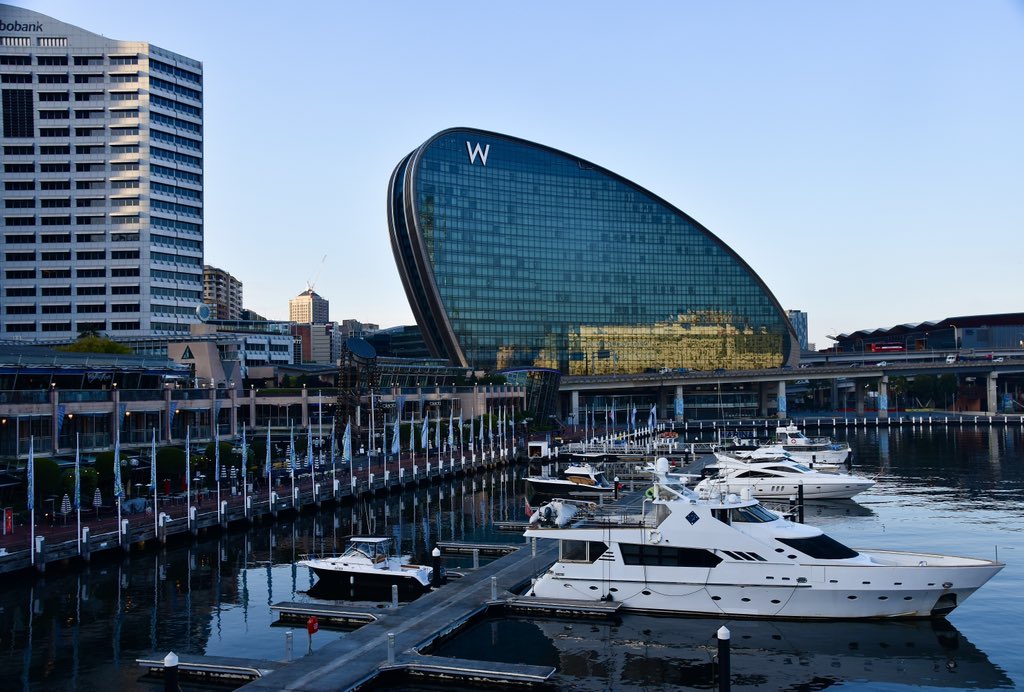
309, 308
223, 293
102, 183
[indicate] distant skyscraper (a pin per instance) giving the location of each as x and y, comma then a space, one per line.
102, 183
223, 293
309, 308
799, 320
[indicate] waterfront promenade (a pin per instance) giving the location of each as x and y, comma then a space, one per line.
57, 536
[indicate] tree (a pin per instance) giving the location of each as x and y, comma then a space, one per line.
91, 342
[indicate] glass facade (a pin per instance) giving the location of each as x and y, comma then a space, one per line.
515, 255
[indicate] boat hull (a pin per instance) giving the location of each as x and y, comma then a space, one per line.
560, 488
819, 592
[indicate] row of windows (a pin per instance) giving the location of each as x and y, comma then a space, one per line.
176, 191
20, 185
176, 106
95, 131
183, 176
116, 325
30, 238
65, 273
63, 78
45, 291
176, 122
175, 259
65, 308
175, 71
177, 140
161, 292
179, 89
79, 60
176, 276
79, 220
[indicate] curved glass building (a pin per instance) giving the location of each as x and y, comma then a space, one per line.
517, 256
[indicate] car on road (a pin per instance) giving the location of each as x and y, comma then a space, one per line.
881, 364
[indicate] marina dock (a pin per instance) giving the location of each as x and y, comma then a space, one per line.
360, 656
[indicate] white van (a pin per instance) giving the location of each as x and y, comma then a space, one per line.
950, 359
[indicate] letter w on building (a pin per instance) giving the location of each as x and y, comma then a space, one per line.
475, 151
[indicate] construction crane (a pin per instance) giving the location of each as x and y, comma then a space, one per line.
311, 284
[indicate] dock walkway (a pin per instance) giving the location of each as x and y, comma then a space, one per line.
359, 656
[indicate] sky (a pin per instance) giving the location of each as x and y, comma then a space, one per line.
864, 157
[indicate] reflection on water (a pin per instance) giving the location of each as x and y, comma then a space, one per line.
639, 652
955, 490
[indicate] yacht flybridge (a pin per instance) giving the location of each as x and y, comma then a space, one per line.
819, 453
728, 555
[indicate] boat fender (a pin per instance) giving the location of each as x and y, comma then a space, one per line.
655, 537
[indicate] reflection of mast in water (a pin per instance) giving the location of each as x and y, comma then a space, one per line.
188, 596
77, 629
294, 567
270, 566
994, 448
426, 524
156, 601
26, 665
451, 509
217, 583
245, 580
117, 621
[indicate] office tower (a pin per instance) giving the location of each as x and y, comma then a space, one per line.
102, 183
309, 307
223, 293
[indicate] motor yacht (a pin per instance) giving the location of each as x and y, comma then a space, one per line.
370, 562
576, 479
819, 453
725, 554
778, 478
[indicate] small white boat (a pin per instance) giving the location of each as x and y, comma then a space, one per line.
819, 453
370, 562
577, 479
683, 553
778, 479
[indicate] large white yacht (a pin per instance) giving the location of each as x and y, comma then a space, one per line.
779, 478
728, 555
819, 453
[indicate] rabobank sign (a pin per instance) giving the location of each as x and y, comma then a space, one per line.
18, 26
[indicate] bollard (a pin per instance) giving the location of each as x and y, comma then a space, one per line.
224, 514
171, 672
494, 588
193, 527
724, 674
40, 553
800, 502
435, 576
391, 648
394, 595
85, 543
288, 637
476, 558
123, 536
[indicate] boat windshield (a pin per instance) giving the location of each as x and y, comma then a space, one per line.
754, 514
367, 548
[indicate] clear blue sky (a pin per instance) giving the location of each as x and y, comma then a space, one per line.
864, 157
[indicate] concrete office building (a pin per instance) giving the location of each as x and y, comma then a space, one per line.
309, 308
223, 293
102, 183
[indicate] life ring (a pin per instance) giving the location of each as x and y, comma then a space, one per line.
651, 493
655, 537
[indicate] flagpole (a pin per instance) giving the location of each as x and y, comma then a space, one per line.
188, 476
31, 469
152, 477
117, 475
245, 475
270, 483
78, 492
216, 465
291, 458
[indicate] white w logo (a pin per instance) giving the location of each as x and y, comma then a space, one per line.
476, 151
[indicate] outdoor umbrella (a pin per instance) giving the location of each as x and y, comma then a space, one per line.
65, 507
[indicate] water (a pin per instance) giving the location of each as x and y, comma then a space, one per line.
953, 490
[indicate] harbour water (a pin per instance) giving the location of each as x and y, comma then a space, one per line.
942, 489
